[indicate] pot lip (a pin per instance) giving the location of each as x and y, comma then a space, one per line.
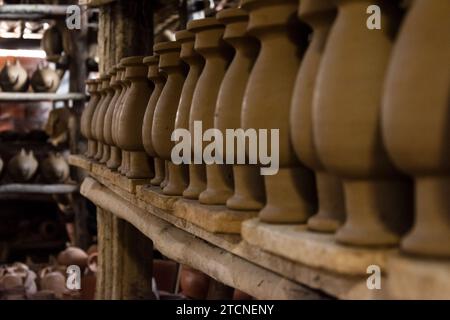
131, 61
201, 24
232, 15
151, 60
166, 46
184, 35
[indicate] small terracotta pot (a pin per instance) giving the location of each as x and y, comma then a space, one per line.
55, 168
45, 79
13, 77
73, 256
23, 166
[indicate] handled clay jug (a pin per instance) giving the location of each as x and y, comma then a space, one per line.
45, 79
55, 168
23, 166
416, 122
165, 114
158, 79
99, 114
53, 281
347, 111
248, 182
13, 77
131, 118
87, 116
319, 15
290, 193
197, 172
217, 54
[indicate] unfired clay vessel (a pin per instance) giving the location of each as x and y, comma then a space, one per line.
114, 153
347, 111
248, 182
102, 119
158, 80
55, 168
166, 111
13, 77
131, 118
197, 172
87, 116
101, 97
125, 84
99, 115
416, 121
45, 79
73, 256
290, 193
319, 14
23, 166
217, 54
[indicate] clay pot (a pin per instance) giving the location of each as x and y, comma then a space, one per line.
158, 79
248, 182
131, 118
92, 249
99, 113
23, 166
45, 79
347, 111
55, 168
165, 113
11, 280
52, 43
331, 212
416, 122
290, 193
103, 122
73, 256
194, 284
124, 85
197, 172
13, 77
87, 116
53, 281
217, 54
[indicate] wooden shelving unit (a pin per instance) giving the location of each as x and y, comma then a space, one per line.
45, 189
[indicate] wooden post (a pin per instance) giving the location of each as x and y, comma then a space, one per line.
118, 249
100, 284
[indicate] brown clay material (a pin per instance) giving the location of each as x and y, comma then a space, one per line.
347, 111
290, 193
100, 117
23, 166
416, 122
45, 79
102, 95
248, 182
55, 168
13, 77
87, 116
319, 14
103, 131
217, 55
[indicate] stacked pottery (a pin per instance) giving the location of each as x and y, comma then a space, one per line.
416, 122
97, 119
290, 192
347, 111
13, 77
113, 156
131, 118
165, 113
248, 182
87, 116
319, 14
158, 79
197, 172
55, 168
120, 77
217, 54
45, 79
23, 166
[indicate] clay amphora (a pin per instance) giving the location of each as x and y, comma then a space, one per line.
114, 153
13, 77
131, 118
416, 122
55, 168
197, 172
100, 116
45, 79
23, 166
290, 193
166, 111
248, 182
125, 84
87, 115
73, 256
217, 54
319, 14
110, 92
158, 79
347, 111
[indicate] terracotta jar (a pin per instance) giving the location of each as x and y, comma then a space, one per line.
319, 14
13, 77
210, 44
23, 166
55, 168
416, 122
45, 79
113, 161
347, 111
131, 118
87, 116
197, 172
290, 193
73, 256
99, 115
248, 182
158, 79
166, 111
194, 284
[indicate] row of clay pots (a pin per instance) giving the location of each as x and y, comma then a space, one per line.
24, 166
346, 103
14, 78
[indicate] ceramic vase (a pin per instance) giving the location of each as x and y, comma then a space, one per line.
87, 116
114, 154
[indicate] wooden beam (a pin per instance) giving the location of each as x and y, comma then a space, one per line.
23, 188
32, 11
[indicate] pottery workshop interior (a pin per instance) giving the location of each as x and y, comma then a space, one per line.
239, 150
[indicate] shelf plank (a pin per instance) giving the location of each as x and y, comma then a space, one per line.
38, 96
18, 188
95, 3
32, 11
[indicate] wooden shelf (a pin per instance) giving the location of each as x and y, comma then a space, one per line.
37, 97
32, 11
44, 189
94, 3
